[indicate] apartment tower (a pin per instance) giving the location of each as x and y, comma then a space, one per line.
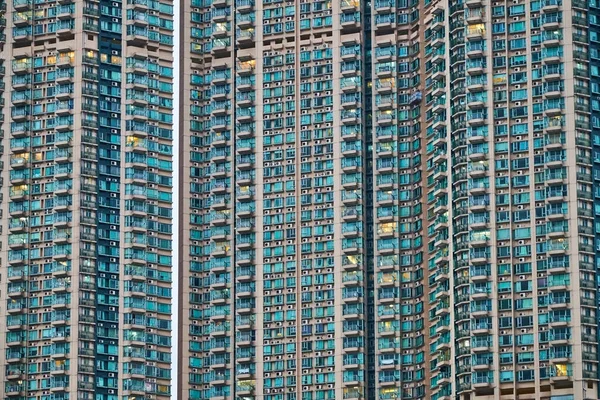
86, 97
390, 199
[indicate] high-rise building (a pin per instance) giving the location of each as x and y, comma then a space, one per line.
86, 199
389, 199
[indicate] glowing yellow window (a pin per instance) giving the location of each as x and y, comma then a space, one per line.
248, 64
388, 82
352, 259
476, 29
388, 391
562, 369
499, 79
387, 326
133, 141
20, 158
246, 385
389, 227
163, 389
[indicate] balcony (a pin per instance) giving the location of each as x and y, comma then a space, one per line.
557, 267
551, 22
479, 258
14, 372
137, 35
18, 193
20, 114
220, 46
385, 70
475, 103
16, 307
245, 37
477, 170
245, 115
351, 263
244, 6
350, 165
438, 40
551, 6
61, 286
133, 391
350, 85
438, 74
22, 36
350, 197
552, 109
551, 39
19, 99
477, 120
14, 390
385, 21
245, 84
551, 60
475, 52
350, 53
245, 99
559, 303
558, 322
350, 22
555, 142
350, 117
350, 101
139, 19
244, 131
438, 58
443, 309
475, 33
65, 24
348, 6
558, 285
438, 89
476, 85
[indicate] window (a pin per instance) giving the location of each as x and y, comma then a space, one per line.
516, 10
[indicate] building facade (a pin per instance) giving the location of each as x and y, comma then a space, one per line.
86, 199
389, 200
